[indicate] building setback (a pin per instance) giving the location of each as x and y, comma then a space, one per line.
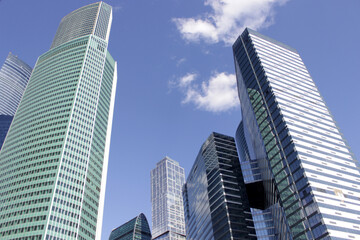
292, 146
135, 229
167, 180
215, 198
14, 76
53, 163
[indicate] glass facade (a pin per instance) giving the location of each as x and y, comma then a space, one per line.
215, 198
54, 161
14, 76
254, 172
167, 180
136, 228
5, 122
83, 22
309, 176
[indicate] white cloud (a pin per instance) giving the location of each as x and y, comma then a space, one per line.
227, 20
180, 61
218, 94
187, 79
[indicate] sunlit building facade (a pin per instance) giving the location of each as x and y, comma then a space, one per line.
53, 163
14, 76
291, 147
215, 198
135, 229
167, 180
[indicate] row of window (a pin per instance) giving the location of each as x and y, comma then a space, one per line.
22, 221
63, 221
25, 211
22, 188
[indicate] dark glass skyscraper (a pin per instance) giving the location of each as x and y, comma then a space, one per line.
255, 178
14, 76
291, 148
215, 198
5, 122
135, 229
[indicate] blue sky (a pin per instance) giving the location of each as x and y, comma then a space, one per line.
175, 66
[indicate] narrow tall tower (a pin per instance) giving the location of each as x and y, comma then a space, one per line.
167, 180
292, 144
14, 76
53, 164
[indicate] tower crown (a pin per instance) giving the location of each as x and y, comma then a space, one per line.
93, 19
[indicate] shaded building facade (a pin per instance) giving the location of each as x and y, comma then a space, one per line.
289, 143
263, 215
14, 76
167, 179
136, 228
53, 163
215, 199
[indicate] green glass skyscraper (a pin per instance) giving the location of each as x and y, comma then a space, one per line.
135, 229
53, 163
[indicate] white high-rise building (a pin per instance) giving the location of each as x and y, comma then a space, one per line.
292, 145
14, 76
167, 180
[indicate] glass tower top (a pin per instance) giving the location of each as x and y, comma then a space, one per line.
215, 198
135, 229
14, 76
92, 19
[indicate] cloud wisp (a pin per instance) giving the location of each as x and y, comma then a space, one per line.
180, 61
227, 20
187, 79
218, 94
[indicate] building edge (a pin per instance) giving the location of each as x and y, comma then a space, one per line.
106, 158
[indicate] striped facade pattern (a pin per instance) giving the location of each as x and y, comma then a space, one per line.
14, 76
167, 208
215, 199
315, 174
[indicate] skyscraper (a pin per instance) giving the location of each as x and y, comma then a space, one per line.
54, 161
14, 76
167, 180
135, 229
309, 176
215, 198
